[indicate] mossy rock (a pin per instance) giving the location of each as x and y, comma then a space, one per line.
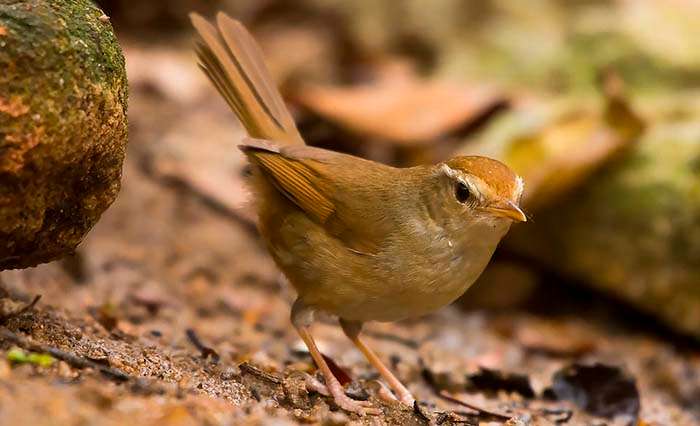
627, 222
634, 229
63, 126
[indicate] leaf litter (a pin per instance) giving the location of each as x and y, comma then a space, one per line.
161, 264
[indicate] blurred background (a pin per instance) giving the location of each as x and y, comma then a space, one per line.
594, 102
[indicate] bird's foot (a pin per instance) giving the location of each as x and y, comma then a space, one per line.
315, 385
385, 394
407, 398
336, 391
355, 406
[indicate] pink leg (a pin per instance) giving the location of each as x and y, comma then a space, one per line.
352, 330
302, 315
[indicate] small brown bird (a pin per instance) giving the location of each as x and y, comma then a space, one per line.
357, 239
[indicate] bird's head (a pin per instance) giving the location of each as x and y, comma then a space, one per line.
478, 190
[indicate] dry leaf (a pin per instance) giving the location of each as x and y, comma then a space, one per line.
600, 389
565, 149
401, 107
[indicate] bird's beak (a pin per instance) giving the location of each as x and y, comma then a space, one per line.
507, 209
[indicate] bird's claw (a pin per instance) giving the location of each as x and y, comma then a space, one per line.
386, 395
340, 398
407, 399
315, 385
355, 406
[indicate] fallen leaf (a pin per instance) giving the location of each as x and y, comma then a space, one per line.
600, 389
401, 107
106, 315
567, 146
493, 380
167, 72
338, 371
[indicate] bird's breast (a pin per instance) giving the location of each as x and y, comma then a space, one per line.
428, 269
417, 270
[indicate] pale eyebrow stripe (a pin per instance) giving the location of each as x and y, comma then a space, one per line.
455, 174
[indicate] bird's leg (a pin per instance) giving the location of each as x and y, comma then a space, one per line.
352, 330
302, 316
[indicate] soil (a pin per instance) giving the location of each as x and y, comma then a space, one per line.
171, 312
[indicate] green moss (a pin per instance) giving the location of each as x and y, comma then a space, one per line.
633, 230
63, 125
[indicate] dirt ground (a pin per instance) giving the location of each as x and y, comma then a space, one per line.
171, 312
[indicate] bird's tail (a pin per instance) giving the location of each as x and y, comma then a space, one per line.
234, 63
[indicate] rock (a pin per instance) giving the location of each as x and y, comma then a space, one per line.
63, 126
556, 146
614, 196
633, 228
629, 225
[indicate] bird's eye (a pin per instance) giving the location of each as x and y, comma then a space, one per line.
462, 193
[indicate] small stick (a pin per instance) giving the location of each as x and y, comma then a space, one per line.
210, 201
24, 309
205, 350
420, 412
443, 394
72, 359
255, 371
565, 413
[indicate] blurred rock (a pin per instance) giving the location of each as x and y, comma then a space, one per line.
63, 128
557, 145
632, 229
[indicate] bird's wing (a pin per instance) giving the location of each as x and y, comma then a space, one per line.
293, 177
234, 63
314, 180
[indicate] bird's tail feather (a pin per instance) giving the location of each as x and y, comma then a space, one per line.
234, 63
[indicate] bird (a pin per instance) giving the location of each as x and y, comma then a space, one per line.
357, 239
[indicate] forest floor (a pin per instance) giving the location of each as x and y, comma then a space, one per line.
171, 312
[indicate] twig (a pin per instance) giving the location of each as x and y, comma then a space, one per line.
444, 395
420, 412
205, 350
72, 359
453, 417
255, 371
30, 305
564, 412
27, 307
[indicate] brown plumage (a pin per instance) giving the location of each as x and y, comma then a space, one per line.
495, 174
234, 63
356, 238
